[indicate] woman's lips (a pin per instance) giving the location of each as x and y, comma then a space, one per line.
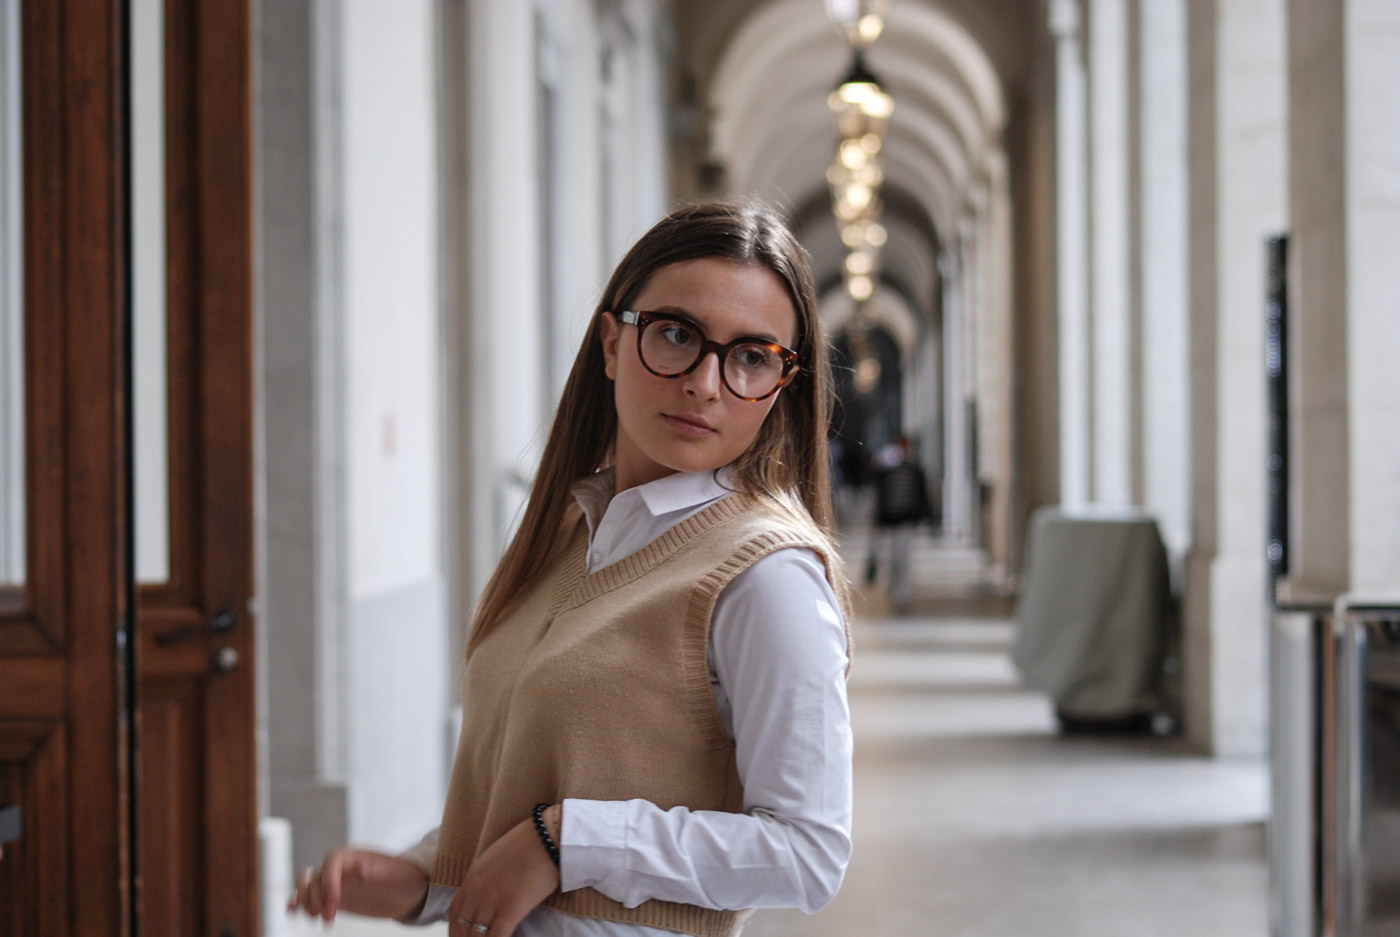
690, 426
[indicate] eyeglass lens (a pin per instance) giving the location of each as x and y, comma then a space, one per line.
751, 369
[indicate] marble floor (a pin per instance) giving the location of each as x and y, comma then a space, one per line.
974, 818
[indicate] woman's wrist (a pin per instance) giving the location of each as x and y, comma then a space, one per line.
412, 917
548, 821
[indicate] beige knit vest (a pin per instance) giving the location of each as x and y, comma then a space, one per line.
597, 687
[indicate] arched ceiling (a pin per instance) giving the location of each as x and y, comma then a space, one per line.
763, 71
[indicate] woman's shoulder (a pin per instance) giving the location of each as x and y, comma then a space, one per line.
779, 534
781, 513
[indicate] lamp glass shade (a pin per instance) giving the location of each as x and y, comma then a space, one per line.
862, 21
862, 109
860, 287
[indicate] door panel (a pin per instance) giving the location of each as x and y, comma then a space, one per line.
171, 733
198, 804
32, 885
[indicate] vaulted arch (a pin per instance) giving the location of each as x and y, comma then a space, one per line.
945, 267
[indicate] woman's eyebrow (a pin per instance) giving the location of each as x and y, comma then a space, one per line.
685, 314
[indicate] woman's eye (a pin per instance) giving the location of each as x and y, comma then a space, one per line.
677, 334
753, 356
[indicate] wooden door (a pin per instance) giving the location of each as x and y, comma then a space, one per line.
127, 711
65, 721
197, 804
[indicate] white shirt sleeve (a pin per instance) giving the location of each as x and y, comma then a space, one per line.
778, 653
423, 854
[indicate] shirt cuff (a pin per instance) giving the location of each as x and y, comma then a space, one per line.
434, 906
423, 854
593, 842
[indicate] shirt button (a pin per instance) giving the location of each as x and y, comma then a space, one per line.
594, 557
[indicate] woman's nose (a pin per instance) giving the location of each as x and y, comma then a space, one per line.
705, 380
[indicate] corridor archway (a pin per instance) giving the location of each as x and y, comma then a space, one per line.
763, 73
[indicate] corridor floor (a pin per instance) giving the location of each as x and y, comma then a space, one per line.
974, 818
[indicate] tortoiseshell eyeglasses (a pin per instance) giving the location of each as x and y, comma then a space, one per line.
669, 345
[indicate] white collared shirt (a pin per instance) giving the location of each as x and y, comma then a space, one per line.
778, 660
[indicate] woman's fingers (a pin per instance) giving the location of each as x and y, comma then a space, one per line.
506, 883
461, 922
471, 911
499, 923
318, 889
330, 879
307, 896
468, 926
360, 881
294, 900
505, 923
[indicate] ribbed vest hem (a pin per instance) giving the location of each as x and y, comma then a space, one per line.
586, 902
449, 870
664, 915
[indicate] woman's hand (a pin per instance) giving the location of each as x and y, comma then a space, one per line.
507, 882
361, 882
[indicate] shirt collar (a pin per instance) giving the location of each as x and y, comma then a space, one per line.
669, 493
686, 490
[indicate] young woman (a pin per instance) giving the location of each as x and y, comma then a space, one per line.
657, 735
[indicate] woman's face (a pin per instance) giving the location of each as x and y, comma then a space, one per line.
692, 422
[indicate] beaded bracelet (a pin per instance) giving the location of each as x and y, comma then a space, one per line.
543, 830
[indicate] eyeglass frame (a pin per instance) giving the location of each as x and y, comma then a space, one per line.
642, 318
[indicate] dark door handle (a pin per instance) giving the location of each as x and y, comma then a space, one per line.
223, 620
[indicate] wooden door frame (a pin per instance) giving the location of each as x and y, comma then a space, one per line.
62, 666
70, 652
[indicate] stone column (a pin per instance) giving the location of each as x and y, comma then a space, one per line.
971, 234
956, 495
1373, 327
1110, 304
998, 339
929, 420
1072, 246
1319, 552
301, 469
504, 264
1237, 201
1344, 156
1164, 275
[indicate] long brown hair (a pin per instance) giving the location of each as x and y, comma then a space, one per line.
787, 460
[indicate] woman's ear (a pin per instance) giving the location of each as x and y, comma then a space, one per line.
609, 329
